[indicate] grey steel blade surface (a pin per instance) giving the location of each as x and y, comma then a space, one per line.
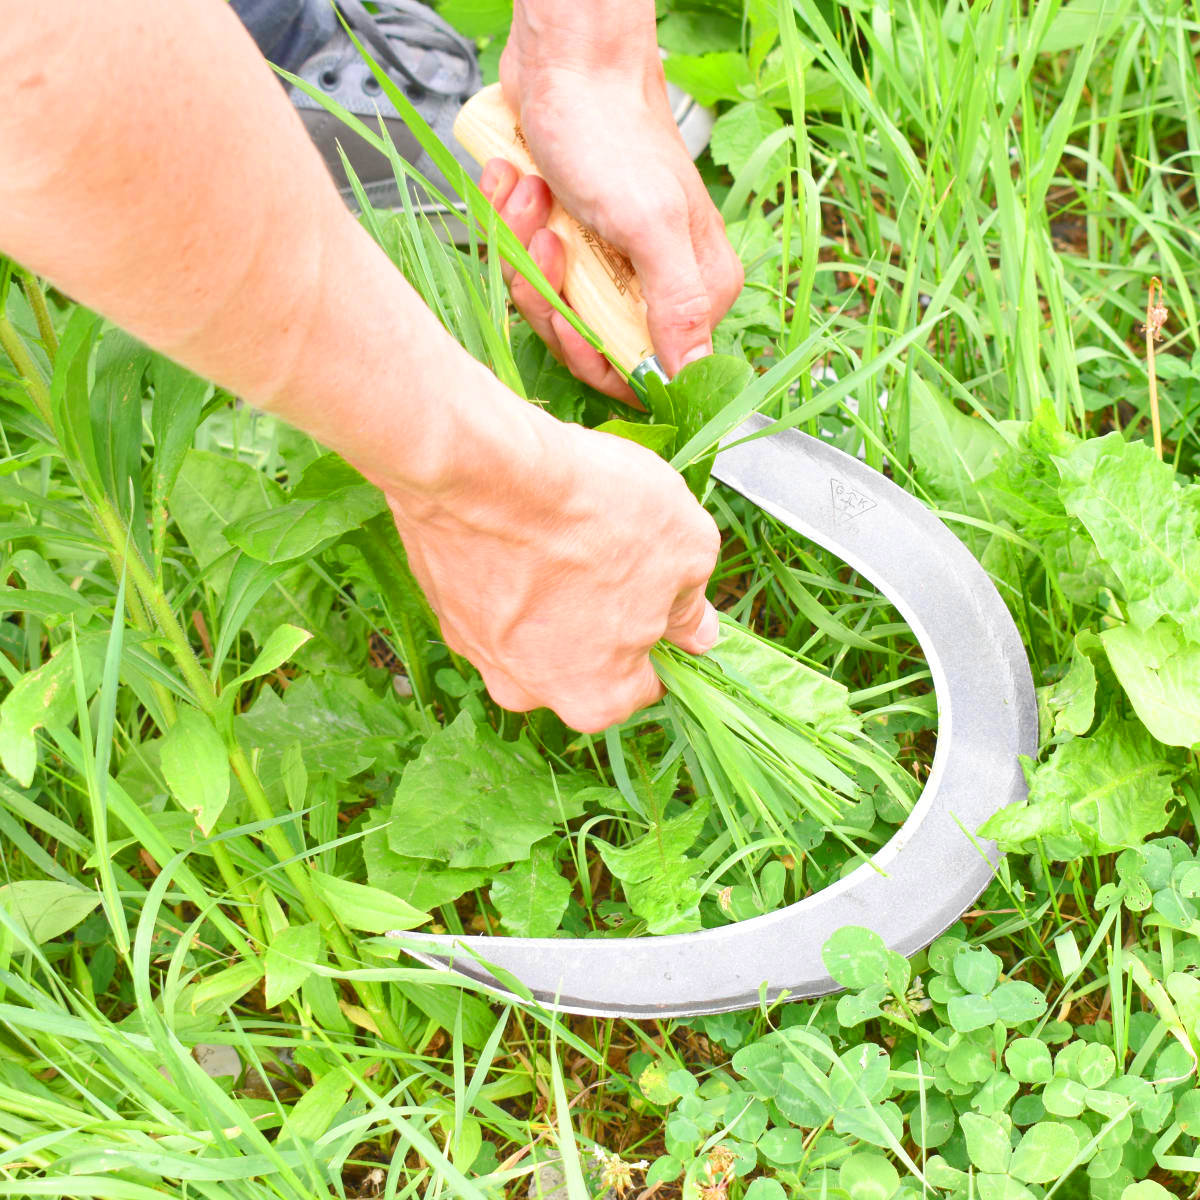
931, 870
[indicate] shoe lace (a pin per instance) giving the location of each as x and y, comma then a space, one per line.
418, 27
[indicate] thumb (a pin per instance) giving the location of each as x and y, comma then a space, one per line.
678, 306
693, 624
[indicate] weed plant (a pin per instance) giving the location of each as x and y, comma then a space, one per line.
234, 749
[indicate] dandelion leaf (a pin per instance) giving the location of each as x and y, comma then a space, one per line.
471, 799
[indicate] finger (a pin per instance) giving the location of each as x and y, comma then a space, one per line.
565, 343
587, 364
526, 210
720, 266
614, 704
693, 623
678, 306
497, 181
545, 250
723, 272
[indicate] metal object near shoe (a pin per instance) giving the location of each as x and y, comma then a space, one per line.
933, 867
931, 870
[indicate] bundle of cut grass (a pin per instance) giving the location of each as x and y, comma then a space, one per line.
772, 734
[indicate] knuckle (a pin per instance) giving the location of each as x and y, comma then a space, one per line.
587, 720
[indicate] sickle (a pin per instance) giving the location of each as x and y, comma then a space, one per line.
931, 870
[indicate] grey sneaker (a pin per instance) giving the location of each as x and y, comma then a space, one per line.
435, 66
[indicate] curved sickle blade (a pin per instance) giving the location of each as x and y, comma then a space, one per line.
931, 870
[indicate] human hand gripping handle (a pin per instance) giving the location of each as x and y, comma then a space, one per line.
599, 281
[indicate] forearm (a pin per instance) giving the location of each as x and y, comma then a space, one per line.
155, 170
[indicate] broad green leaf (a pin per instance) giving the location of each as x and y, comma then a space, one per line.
46, 908
477, 18
289, 960
44, 697
1044, 1152
216, 992
877, 1124
698, 393
1146, 1190
1160, 672
970, 1012
1143, 523
212, 491
762, 1188
531, 896
857, 958
704, 31
178, 401
659, 438
195, 764
996, 1095
1096, 1065
860, 1075
1017, 1001
783, 683
341, 725
953, 451
977, 969
471, 799
664, 1169
668, 901
968, 1062
740, 131
782, 1146
301, 528
1111, 790
314, 1113
423, 882
1064, 1097
651, 853
70, 398
1029, 1060
867, 1176
718, 75
276, 650
116, 409
988, 1143
1001, 1187
362, 907
1071, 702
854, 1008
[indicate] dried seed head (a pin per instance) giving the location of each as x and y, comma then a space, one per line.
616, 1175
719, 1163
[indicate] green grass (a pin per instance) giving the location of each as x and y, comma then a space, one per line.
948, 260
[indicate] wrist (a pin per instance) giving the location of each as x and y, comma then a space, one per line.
598, 40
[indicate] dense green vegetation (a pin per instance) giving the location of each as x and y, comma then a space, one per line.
235, 753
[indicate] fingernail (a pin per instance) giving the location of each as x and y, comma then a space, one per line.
522, 196
709, 630
701, 351
487, 181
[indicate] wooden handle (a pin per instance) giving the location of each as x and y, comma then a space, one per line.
600, 284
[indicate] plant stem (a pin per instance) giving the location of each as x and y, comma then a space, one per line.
14, 347
205, 696
1156, 314
41, 312
206, 699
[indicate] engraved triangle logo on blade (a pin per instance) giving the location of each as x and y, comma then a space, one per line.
848, 502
